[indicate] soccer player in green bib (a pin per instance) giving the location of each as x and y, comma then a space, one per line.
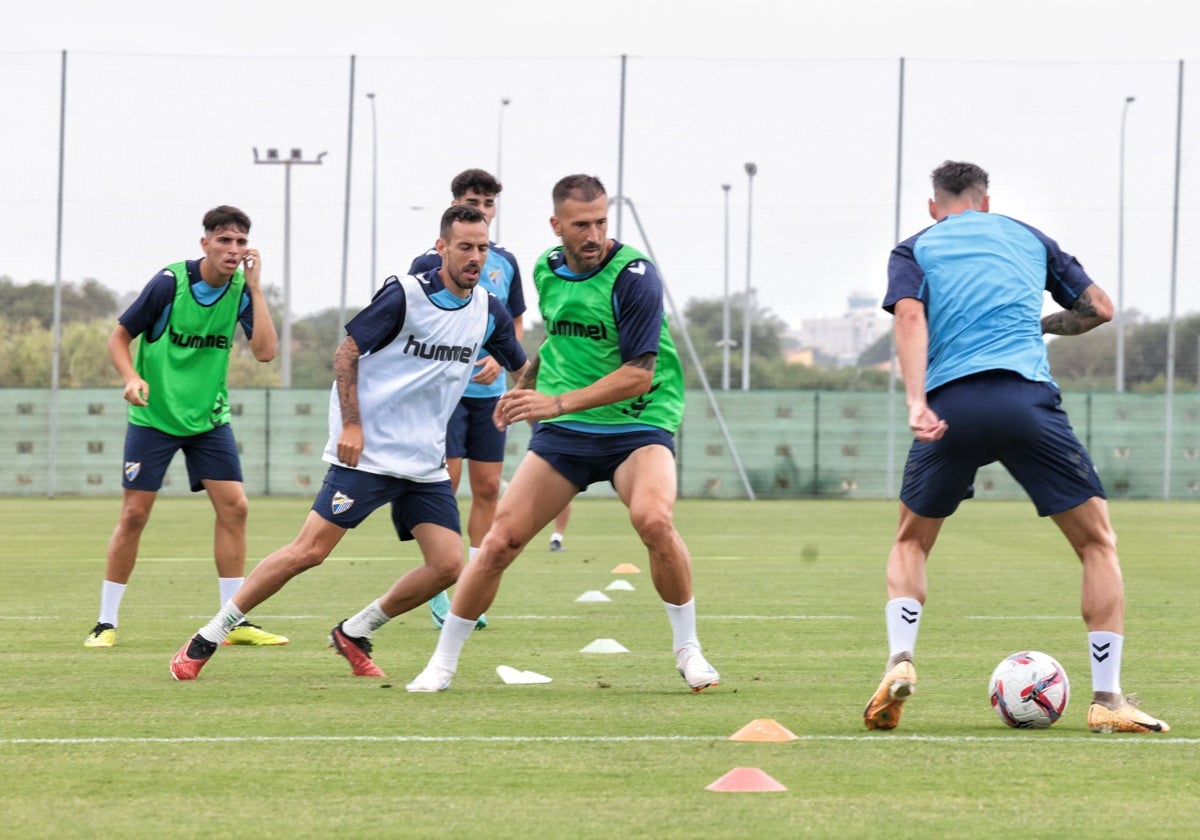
178, 400
606, 391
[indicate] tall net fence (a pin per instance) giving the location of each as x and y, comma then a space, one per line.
108, 162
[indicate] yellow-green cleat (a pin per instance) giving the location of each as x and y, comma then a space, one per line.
103, 635
246, 633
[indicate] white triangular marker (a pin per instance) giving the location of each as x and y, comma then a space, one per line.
592, 596
604, 646
619, 585
512, 676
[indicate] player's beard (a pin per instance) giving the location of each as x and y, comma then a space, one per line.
581, 261
459, 280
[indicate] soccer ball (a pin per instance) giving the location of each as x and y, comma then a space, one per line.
1029, 690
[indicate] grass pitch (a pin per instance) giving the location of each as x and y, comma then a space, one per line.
283, 742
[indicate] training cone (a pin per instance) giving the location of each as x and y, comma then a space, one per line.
604, 646
592, 596
626, 569
513, 676
741, 779
619, 586
763, 729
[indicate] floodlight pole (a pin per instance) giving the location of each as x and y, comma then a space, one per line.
374, 195
726, 343
751, 171
1121, 257
499, 156
296, 158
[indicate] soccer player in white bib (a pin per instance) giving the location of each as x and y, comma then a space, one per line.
399, 373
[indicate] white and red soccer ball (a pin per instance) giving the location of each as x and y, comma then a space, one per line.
1029, 690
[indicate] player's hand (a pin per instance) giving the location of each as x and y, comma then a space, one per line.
137, 392
524, 404
252, 267
489, 369
925, 424
350, 444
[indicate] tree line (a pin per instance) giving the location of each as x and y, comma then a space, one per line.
89, 312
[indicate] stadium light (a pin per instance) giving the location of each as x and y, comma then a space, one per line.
295, 158
374, 195
500, 155
1121, 257
751, 171
726, 343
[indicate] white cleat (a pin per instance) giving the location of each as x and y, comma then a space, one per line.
430, 681
695, 670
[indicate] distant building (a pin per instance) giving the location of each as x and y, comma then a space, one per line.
843, 339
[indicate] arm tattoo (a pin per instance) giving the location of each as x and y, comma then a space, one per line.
528, 379
345, 371
644, 362
1075, 321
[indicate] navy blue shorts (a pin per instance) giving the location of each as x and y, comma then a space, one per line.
347, 497
999, 416
472, 434
211, 455
584, 457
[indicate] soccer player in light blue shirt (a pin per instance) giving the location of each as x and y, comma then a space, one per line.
967, 295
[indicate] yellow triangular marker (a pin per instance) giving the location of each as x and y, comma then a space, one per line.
626, 569
763, 729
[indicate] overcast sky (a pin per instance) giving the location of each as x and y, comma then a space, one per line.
1027, 29
1078, 58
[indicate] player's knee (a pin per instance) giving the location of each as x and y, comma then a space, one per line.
234, 512
655, 525
486, 488
500, 547
306, 555
133, 519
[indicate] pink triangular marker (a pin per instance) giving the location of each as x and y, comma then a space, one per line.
745, 779
626, 569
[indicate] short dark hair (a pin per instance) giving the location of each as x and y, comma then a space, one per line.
460, 213
578, 187
474, 180
226, 216
956, 177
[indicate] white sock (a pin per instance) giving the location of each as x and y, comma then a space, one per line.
453, 636
229, 587
224, 621
903, 617
110, 601
556, 537
683, 624
471, 552
1104, 651
366, 622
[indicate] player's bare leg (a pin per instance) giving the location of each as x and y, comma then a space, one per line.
906, 582
646, 483
536, 493
485, 495
229, 531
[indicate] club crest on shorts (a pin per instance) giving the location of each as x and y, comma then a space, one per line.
341, 503
132, 468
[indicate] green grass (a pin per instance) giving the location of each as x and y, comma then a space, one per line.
285, 743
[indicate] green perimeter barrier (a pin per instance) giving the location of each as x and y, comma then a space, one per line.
792, 444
